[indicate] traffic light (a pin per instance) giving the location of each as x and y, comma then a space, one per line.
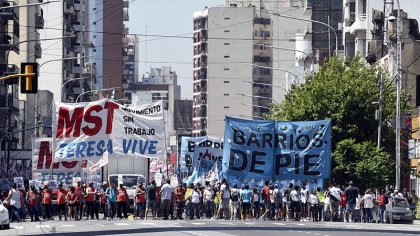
29, 83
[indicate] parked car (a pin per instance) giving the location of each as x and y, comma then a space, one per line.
398, 210
4, 216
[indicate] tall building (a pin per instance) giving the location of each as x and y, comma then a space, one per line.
244, 60
130, 60
358, 23
63, 45
111, 47
160, 84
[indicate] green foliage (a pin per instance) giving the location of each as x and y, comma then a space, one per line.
346, 92
363, 163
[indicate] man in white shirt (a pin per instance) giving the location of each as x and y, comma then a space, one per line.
304, 195
334, 201
224, 204
166, 196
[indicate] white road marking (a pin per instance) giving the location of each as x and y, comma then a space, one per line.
68, 225
43, 226
226, 223
279, 224
122, 224
195, 223
148, 223
18, 227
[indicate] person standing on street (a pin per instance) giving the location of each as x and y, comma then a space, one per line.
151, 199
111, 197
180, 200
33, 204
80, 199
382, 205
122, 199
90, 201
47, 202
234, 202
224, 204
71, 199
368, 205
14, 198
60, 196
166, 196
351, 193
140, 201
335, 199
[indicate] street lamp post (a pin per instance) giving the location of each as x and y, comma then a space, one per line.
97, 90
74, 79
256, 96
398, 105
309, 20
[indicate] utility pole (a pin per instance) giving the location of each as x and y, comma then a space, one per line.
379, 116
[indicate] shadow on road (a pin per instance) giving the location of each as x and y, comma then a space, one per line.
232, 228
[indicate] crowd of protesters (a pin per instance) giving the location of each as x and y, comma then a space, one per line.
195, 201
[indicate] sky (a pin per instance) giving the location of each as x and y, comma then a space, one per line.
167, 17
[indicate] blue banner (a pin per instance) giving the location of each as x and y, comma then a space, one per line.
188, 161
276, 150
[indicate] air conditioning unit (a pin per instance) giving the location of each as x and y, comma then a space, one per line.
37, 50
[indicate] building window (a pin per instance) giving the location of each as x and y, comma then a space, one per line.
226, 82
227, 31
226, 94
226, 107
226, 56
227, 18
227, 43
225, 69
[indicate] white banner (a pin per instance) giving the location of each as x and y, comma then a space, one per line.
85, 131
44, 169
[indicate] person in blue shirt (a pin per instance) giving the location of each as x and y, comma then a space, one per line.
246, 196
111, 199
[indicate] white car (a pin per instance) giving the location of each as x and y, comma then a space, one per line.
4, 217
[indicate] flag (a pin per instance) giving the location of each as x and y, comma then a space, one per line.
213, 174
103, 161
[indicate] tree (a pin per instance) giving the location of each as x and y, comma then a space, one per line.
344, 92
363, 163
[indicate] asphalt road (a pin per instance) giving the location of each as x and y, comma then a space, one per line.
207, 228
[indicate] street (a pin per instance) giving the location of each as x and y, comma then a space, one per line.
207, 228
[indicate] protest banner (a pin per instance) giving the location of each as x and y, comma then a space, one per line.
187, 161
276, 150
85, 131
44, 169
208, 158
174, 181
158, 179
19, 182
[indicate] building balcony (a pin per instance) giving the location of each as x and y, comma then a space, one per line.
125, 15
9, 13
69, 8
39, 22
359, 25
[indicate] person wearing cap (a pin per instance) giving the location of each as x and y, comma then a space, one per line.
47, 202
60, 195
